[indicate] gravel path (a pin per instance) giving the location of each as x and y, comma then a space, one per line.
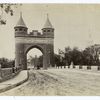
61, 82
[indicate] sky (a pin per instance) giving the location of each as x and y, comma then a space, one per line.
76, 25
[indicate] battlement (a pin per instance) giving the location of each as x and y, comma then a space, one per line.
21, 30
34, 34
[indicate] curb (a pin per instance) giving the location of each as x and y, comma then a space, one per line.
14, 85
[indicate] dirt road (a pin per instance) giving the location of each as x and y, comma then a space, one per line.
61, 82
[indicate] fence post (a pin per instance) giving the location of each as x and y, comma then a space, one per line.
98, 68
88, 67
74, 66
80, 67
68, 66
0, 72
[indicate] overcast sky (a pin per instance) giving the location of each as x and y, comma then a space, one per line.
74, 25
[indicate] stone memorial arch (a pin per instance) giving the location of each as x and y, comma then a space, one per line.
25, 41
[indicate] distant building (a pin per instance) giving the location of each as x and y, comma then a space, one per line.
35, 61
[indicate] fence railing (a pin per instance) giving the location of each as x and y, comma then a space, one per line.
80, 67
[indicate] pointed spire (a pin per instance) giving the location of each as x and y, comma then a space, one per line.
47, 15
48, 23
21, 21
20, 14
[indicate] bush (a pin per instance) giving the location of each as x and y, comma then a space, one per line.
5, 63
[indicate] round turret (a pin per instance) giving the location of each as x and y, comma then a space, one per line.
20, 28
48, 29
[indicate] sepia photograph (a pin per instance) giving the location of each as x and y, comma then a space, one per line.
49, 49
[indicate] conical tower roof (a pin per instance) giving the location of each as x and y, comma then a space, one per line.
48, 23
20, 22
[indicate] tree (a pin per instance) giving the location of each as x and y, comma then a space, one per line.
7, 8
73, 55
5, 63
68, 55
91, 55
76, 56
57, 59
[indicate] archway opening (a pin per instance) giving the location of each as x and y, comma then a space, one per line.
34, 59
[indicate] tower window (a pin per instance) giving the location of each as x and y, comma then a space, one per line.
24, 29
48, 31
44, 31
20, 29
15, 29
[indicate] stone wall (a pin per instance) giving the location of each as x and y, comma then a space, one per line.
5, 72
8, 73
